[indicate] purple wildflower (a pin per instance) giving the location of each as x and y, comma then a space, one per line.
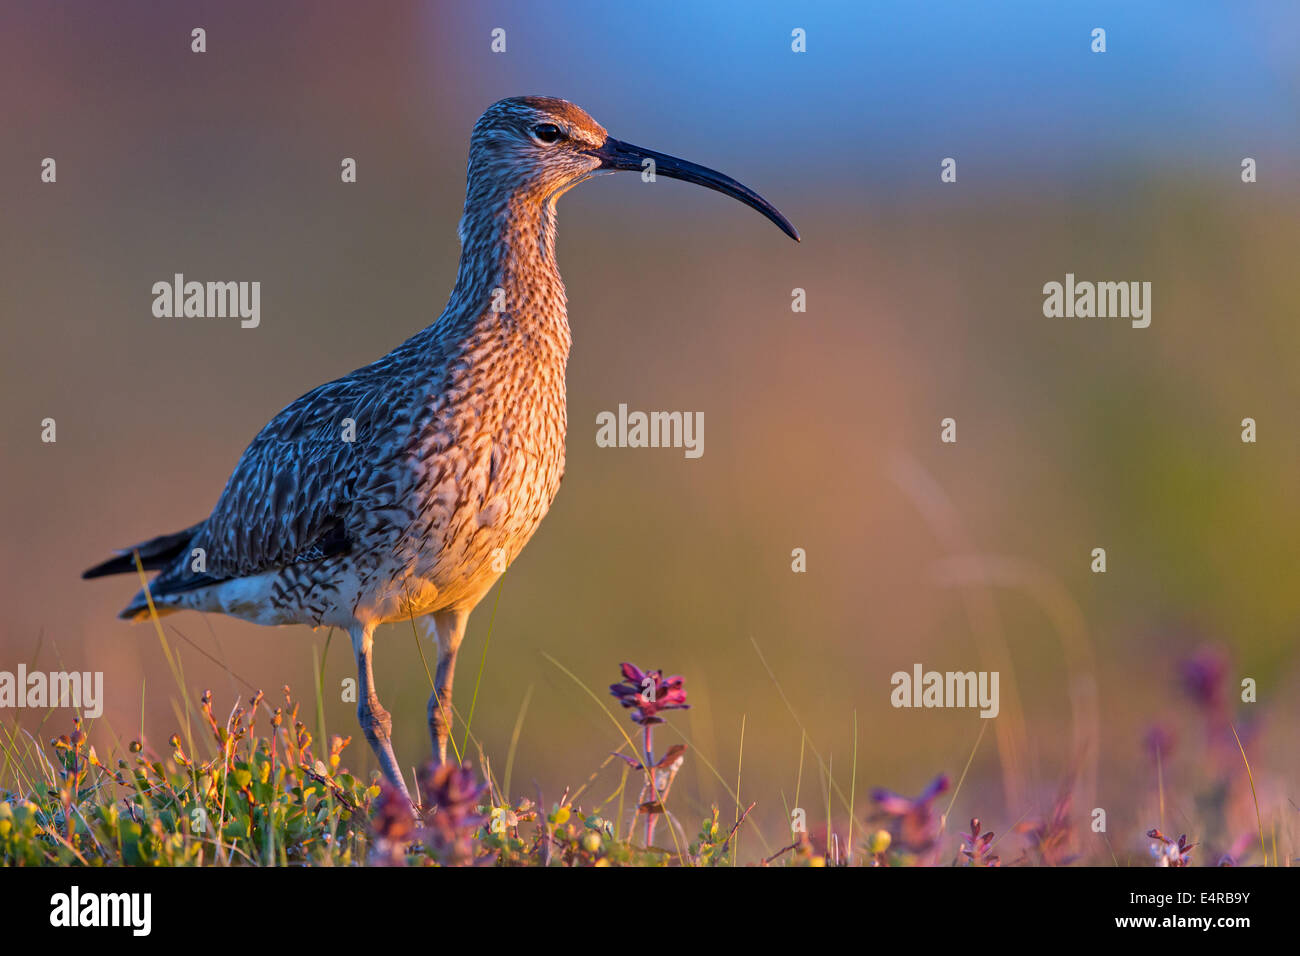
1170, 852
454, 792
647, 693
1051, 842
975, 846
1203, 674
1159, 741
917, 825
393, 825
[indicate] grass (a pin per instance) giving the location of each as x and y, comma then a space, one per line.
1255, 799
257, 788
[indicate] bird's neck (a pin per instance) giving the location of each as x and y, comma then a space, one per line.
508, 278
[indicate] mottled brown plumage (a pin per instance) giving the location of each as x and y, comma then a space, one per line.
405, 488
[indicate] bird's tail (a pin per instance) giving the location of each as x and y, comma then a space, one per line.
155, 554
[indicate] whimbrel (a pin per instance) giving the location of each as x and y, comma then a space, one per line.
405, 488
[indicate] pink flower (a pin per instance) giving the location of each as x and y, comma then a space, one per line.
975, 846
916, 821
454, 792
648, 692
1170, 852
1203, 674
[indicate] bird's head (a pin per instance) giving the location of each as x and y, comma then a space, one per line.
541, 147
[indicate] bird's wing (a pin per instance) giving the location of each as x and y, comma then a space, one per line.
290, 497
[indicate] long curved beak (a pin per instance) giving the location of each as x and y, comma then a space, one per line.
615, 154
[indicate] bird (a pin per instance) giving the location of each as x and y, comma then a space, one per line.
404, 489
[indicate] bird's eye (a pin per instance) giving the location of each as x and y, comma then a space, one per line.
547, 132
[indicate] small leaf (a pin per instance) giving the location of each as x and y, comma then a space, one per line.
675, 751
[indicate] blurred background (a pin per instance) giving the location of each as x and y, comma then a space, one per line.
924, 301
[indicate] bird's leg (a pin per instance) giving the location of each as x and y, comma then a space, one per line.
447, 628
376, 723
